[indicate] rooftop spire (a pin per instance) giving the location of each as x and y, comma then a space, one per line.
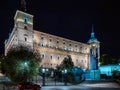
92, 33
23, 5
92, 38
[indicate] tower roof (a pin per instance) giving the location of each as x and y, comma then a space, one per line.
92, 38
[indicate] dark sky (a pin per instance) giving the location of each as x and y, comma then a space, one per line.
69, 19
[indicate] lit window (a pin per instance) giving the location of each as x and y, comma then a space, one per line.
65, 48
25, 20
70, 49
56, 46
50, 44
77, 50
25, 37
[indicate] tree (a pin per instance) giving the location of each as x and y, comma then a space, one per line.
21, 63
106, 59
66, 64
118, 61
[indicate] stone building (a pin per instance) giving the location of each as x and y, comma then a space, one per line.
53, 49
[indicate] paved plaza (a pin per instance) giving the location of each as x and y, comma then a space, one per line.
87, 85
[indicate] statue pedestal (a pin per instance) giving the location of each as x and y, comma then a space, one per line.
95, 74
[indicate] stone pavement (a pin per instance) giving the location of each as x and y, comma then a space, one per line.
100, 84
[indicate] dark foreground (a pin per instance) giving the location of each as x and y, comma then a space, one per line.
87, 85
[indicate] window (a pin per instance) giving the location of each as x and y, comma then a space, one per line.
70, 49
75, 45
65, 48
50, 44
76, 59
43, 56
25, 20
51, 56
82, 61
25, 27
42, 37
25, 37
50, 40
42, 44
65, 57
57, 41
77, 50
81, 48
56, 46
64, 43
58, 57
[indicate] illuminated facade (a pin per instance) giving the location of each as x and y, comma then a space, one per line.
53, 49
94, 51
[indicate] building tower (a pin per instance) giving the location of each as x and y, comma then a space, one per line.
22, 33
94, 51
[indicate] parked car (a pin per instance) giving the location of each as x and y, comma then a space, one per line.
28, 85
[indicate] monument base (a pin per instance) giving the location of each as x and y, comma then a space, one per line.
95, 74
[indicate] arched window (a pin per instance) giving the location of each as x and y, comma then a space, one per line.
51, 56
43, 55
65, 57
25, 27
42, 37
25, 37
42, 44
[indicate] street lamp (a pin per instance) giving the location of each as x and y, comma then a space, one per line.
55, 75
25, 64
25, 72
43, 71
65, 76
62, 74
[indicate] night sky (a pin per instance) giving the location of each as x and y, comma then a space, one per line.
69, 19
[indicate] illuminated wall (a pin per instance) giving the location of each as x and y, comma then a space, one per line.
108, 69
53, 49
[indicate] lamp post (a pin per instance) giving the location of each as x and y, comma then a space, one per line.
65, 76
43, 71
25, 72
25, 64
55, 75
62, 74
